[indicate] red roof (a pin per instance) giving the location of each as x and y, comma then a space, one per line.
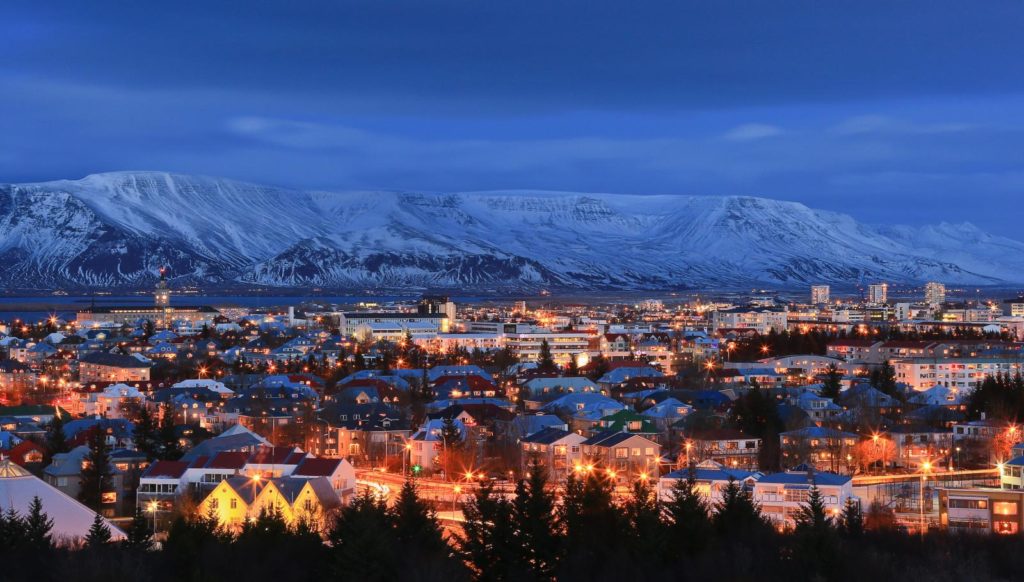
473, 381
173, 469
853, 343
18, 451
317, 467
276, 456
228, 460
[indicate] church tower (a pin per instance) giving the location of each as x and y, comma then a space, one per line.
162, 294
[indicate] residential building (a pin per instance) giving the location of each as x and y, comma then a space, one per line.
781, 496
820, 295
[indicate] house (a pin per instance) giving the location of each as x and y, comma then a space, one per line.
160, 485
339, 473
820, 447
513, 430
626, 420
584, 409
667, 412
984, 511
626, 457
557, 451
781, 496
237, 499
711, 478
363, 433
106, 367
71, 519
112, 400
728, 447
427, 445
818, 408
65, 474
913, 445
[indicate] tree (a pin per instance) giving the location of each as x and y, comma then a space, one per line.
852, 519
38, 526
138, 537
572, 369
689, 525
363, 543
646, 533
545, 361
533, 511
488, 542
99, 533
419, 534
169, 447
145, 435
832, 382
592, 527
56, 440
884, 379
812, 517
96, 474
737, 514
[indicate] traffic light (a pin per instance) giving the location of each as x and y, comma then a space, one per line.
416, 469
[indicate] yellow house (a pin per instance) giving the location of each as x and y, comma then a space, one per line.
239, 498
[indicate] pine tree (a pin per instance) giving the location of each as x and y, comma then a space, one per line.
488, 541
419, 534
12, 529
832, 382
363, 543
145, 434
852, 518
96, 475
593, 524
56, 441
688, 516
169, 447
534, 515
139, 537
737, 514
812, 517
572, 369
646, 533
99, 533
38, 526
545, 361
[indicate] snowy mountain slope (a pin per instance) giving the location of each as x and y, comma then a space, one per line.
116, 229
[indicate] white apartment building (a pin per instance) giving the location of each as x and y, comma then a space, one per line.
760, 320
782, 495
966, 373
878, 294
526, 346
820, 294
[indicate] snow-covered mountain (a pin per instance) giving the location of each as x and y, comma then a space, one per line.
117, 229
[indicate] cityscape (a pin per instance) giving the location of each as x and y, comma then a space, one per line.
511, 292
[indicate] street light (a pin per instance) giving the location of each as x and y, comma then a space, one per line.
153, 505
926, 467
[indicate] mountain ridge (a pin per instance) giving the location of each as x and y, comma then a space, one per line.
117, 229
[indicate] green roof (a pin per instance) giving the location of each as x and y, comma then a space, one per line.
31, 410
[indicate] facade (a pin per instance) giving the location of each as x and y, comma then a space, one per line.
782, 495
627, 457
564, 346
820, 295
760, 320
104, 367
878, 294
558, 451
350, 321
986, 511
965, 372
934, 294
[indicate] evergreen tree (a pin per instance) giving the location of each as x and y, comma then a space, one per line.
689, 523
592, 522
169, 447
534, 515
96, 475
56, 441
812, 517
99, 533
139, 536
852, 519
12, 530
545, 361
488, 541
419, 535
646, 533
145, 435
363, 543
737, 514
38, 526
884, 379
832, 382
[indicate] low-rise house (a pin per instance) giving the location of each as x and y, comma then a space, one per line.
782, 496
241, 498
711, 479
625, 456
727, 446
106, 367
557, 451
823, 448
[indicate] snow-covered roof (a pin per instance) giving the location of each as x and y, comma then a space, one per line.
70, 518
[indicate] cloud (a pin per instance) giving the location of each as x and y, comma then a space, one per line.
752, 132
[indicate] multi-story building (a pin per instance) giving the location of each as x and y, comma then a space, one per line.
878, 294
625, 456
820, 294
934, 294
105, 367
558, 451
922, 373
349, 322
760, 320
564, 346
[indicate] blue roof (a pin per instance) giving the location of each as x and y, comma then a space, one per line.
802, 478
708, 474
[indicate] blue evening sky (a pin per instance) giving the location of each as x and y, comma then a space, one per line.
905, 111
